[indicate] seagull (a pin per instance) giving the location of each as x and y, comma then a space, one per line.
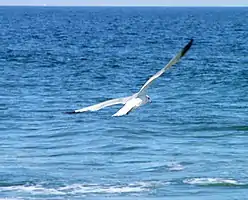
140, 98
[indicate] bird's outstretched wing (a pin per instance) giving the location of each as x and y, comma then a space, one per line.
102, 105
173, 61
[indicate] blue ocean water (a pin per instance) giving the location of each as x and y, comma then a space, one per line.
189, 143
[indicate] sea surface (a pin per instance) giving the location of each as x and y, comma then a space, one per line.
190, 143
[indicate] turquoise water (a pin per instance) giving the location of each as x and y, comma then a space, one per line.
189, 143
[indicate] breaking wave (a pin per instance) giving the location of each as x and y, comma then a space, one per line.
82, 189
213, 181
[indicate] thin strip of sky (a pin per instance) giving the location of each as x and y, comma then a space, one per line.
126, 2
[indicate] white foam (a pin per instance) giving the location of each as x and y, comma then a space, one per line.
81, 188
37, 189
210, 181
9, 199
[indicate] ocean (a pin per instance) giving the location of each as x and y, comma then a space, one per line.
189, 143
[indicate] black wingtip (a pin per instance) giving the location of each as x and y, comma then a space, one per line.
187, 47
71, 112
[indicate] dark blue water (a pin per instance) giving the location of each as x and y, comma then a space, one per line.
189, 143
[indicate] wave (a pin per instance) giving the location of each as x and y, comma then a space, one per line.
161, 167
213, 181
81, 189
9, 199
175, 167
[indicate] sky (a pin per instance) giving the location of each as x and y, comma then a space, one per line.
126, 2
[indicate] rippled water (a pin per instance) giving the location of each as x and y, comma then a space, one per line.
189, 143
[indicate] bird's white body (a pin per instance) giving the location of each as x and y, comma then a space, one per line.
137, 99
132, 104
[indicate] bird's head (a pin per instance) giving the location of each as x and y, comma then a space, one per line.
148, 99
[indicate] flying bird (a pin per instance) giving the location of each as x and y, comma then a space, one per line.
138, 99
